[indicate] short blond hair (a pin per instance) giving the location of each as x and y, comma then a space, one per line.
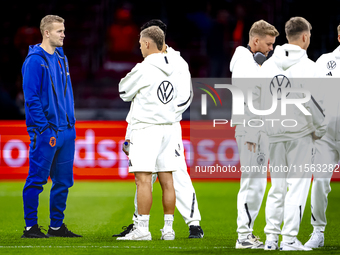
155, 34
262, 28
47, 21
339, 30
295, 26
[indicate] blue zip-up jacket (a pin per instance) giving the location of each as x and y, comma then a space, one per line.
41, 95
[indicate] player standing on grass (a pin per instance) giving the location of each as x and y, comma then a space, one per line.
327, 148
289, 146
50, 121
153, 86
246, 63
186, 201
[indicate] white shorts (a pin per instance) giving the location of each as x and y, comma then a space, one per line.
153, 149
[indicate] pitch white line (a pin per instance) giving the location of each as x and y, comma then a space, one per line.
105, 247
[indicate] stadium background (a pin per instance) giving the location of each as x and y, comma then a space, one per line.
102, 46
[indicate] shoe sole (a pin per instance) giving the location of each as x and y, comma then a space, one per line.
243, 247
23, 236
271, 249
249, 247
240, 246
197, 237
147, 238
48, 235
295, 249
257, 248
168, 238
312, 247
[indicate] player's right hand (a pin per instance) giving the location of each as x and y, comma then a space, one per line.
123, 147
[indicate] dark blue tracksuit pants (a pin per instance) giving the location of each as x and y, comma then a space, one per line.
51, 154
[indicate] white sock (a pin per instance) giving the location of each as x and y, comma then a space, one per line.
194, 223
168, 221
143, 222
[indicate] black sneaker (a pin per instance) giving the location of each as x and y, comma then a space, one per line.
195, 232
61, 232
34, 232
126, 230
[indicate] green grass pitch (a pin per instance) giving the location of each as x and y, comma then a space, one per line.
97, 210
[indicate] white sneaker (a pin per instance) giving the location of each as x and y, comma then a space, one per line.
296, 245
136, 234
271, 245
252, 242
316, 240
169, 235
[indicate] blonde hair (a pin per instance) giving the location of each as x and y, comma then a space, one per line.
155, 34
339, 30
262, 28
295, 26
47, 21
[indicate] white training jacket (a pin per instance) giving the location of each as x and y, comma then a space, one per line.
159, 88
329, 66
243, 68
289, 61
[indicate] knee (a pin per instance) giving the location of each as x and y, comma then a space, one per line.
68, 181
37, 175
143, 179
63, 174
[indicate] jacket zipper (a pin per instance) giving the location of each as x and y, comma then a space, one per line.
68, 120
65, 76
34, 139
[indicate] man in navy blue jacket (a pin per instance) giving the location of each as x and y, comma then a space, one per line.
49, 107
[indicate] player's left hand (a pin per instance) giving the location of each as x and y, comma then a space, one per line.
251, 146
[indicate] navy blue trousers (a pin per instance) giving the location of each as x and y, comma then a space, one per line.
51, 154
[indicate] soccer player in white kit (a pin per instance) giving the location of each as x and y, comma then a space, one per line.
246, 63
186, 200
327, 148
293, 145
154, 87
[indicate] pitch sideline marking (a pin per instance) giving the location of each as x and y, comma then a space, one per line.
105, 247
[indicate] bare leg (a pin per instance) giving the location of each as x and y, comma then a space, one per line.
144, 192
169, 197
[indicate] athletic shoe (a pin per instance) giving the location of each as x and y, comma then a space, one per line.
195, 232
126, 230
170, 235
61, 232
136, 235
316, 240
271, 245
34, 232
252, 242
296, 245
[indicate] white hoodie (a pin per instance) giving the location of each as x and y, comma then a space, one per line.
329, 66
243, 65
244, 68
157, 90
289, 61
